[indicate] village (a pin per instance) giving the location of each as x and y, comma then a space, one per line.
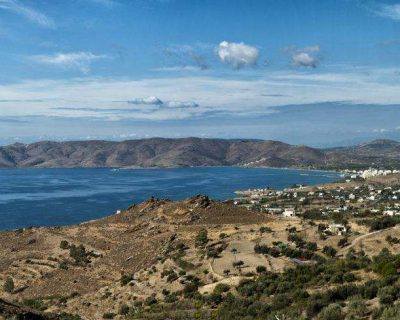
357, 196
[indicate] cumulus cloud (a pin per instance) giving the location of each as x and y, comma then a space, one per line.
73, 60
154, 101
238, 55
27, 12
304, 57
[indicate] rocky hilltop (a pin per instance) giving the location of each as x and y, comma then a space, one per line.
160, 152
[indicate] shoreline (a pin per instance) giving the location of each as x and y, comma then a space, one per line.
174, 167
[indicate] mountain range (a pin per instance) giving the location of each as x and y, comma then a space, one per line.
192, 152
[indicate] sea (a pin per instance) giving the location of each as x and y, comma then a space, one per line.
57, 197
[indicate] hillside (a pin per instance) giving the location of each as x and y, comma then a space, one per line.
160, 152
204, 259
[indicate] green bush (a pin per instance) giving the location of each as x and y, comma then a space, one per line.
108, 315
123, 309
391, 313
125, 279
331, 312
221, 288
9, 285
329, 251
201, 238
311, 246
261, 269
387, 295
64, 244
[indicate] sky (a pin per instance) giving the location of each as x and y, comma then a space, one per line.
321, 73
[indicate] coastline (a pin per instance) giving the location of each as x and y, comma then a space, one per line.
58, 197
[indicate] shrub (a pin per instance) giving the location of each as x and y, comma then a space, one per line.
238, 263
391, 313
261, 269
125, 279
265, 229
311, 246
190, 289
172, 277
63, 265
64, 244
329, 251
221, 288
331, 312
9, 285
387, 295
357, 308
201, 238
123, 309
108, 315
79, 254
37, 304
150, 301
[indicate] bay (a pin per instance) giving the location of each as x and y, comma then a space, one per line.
54, 197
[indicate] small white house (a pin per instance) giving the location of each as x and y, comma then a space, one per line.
289, 212
391, 213
337, 228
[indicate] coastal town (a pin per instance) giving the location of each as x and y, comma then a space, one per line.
356, 196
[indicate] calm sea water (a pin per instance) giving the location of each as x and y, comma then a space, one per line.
48, 197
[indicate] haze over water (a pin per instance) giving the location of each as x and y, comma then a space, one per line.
49, 197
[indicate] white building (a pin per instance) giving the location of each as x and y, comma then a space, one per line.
289, 212
337, 228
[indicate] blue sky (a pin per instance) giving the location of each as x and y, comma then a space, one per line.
307, 72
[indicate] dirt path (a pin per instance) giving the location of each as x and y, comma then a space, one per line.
363, 237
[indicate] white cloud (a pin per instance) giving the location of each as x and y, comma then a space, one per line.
73, 60
146, 101
211, 94
237, 55
27, 12
391, 11
304, 57
154, 101
180, 104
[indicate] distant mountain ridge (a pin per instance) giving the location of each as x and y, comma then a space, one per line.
193, 152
